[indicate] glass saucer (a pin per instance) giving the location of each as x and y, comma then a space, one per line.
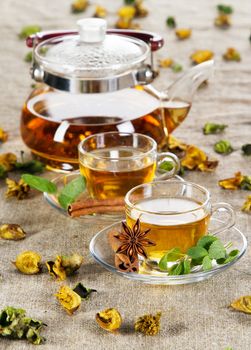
102, 252
62, 180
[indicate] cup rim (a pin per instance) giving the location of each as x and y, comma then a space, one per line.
83, 152
132, 206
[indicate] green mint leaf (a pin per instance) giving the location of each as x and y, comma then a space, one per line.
186, 267
166, 165
225, 9
197, 252
31, 166
213, 128
223, 147
170, 22
172, 255
176, 269
206, 241
217, 250
246, 149
28, 57
71, 191
206, 263
82, 291
246, 183
230, 257
39, 183
29, 30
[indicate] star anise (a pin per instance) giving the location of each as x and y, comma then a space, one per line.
133, 241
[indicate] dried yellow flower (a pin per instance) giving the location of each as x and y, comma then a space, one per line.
242, 304
247, 205
3, 135
68, 299
8, 161
165, 63
196, 159
141, 11
64, 265
127, 12
18, 189
148, 324
232, 183
12, 232
79, 6
201, 56
109, 319
28, 262
183, 33
232, 55
100, 12
124, 23
222, 21
175, 144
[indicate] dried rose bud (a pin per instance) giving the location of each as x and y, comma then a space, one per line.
18, 189
148, 324
183, 33
64, 265
28, 262
109, 319
68, 299
12, 232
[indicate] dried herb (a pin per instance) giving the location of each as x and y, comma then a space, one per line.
64, 265
165, 63
148, 324
166, 165
12, 232
247, 205
232, 183
109, 319
141, 11
171, 22
207, 249
28, 262
126, 15
129, 2
31, 166
39, 183
196, 159
133, 241
176, 67
71, 191
246, 149
28, 57
246, 183
222, 21
213, 128
18, 189
70, 300
79, 6
243, 304
183, 33
100, 12
201, 56
223, 147
82, 291
8, 161
14, 324
3, 136
3, 172
29, 30
232, 55
226, 9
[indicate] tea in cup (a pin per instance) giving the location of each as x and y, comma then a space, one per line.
115, 162
176, 212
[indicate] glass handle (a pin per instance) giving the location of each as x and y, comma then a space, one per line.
220, 207
174, 163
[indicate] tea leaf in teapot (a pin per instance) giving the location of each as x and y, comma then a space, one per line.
206, 263
246, 149
71, 191
226, 9
29, 30
166, 165
170, 22
217, 250
197, 252
242, 304
247, 205
213, 128
223, 147
39, 183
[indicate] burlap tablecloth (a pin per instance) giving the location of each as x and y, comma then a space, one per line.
195, 316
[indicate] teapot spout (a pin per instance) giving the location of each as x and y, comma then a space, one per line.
185, 87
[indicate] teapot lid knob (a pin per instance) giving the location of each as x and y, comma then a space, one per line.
92, 30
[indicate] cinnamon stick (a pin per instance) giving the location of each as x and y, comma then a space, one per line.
97, 209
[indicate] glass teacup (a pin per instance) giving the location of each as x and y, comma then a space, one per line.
177, 214
115, 162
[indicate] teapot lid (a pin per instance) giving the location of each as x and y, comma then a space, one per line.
91, 61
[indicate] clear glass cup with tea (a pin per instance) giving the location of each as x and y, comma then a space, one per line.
176, 212
115, 162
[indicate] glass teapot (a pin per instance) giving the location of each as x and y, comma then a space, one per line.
97, 80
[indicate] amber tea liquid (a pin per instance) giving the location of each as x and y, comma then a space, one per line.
111, 179
171, 231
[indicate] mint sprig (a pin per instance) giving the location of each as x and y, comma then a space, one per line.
207, 250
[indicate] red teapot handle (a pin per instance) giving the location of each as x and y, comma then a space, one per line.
155, 41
